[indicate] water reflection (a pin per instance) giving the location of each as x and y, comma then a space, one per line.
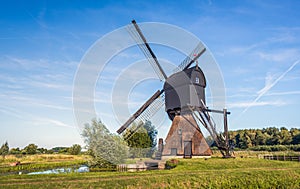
81, 169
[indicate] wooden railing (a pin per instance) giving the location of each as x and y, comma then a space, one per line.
282, 157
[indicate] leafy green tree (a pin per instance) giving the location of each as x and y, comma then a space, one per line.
296, 139
243, 140
50, 151
246, 140
31, 149
272, 131
105, 148
266, 138
285, 137
15, 151
295, 134
238, 139
152, 133
4, 149
260, 138
272, 134
138, 140
63, 150
42, 150
232, 138
60, 150
75, 149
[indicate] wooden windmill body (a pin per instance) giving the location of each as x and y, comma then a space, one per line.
184, 90
185, 139
183, 95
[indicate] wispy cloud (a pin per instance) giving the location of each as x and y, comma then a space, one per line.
279, 55
29, 64
254, 104
47, 121
283, 93
269, 84
40, 18
32, 119
11, 112
22, 100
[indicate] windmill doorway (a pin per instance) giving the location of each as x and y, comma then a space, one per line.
187, 149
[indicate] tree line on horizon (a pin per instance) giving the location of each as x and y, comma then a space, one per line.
263, 139
32, 149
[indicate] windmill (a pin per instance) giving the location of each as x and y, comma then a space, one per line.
183, 95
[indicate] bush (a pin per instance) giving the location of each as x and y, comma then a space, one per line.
105, 148
75, 149
172, 163
30, 149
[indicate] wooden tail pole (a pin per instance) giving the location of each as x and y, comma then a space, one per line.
226, 133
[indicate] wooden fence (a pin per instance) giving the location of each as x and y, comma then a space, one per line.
282, 157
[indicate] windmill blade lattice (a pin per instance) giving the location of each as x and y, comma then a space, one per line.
147, 115
141, 110
193, 56
136, 34
152, 109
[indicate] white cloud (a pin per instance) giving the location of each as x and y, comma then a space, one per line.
11, 112
20, 100
254, 104
279, 55
47, 121
284, 93
31, 118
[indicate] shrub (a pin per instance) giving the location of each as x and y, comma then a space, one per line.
172, 163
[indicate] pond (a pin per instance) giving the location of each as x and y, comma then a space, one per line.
81, 169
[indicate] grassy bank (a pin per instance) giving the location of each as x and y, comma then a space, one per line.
190, 173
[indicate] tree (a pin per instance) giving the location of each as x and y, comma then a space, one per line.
142, 139
60, 150
138, 140
4, 149
260, 138
42, 150
105, 148
296, 139
295, 134
15, 151
285, 137
152, 133
75, 149
294, 131
31, 149
246, 140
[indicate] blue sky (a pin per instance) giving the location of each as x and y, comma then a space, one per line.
256, 44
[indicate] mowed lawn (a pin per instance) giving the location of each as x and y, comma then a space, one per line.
190, 173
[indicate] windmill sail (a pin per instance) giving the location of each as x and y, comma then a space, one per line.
146, 115
140, 39
146, 111
193, 56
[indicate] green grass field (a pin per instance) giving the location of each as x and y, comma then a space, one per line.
31, 163
190, 173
